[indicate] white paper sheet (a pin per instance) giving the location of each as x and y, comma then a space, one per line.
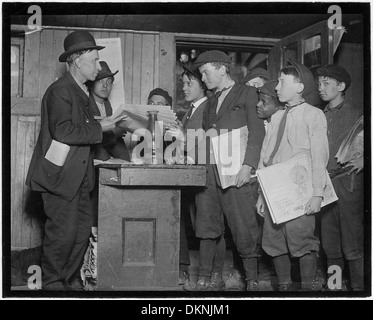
229, 152
57, 153
287, 187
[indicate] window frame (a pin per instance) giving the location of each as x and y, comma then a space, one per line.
19, 41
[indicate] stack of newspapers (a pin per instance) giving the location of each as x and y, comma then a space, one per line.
287, 187
139, 113
352, 147
229, 153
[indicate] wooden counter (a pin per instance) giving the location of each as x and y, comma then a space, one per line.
139, 224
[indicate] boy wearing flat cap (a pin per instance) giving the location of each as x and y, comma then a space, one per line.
160, 97
195, 93
232, 106
268, 105
67, 126
342, 231
301, 128
268, 102
256, 77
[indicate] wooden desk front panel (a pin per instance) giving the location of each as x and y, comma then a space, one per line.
138, 241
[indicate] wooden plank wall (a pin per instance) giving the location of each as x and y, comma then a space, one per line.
167, 78
141, 67
140, 63
27, 217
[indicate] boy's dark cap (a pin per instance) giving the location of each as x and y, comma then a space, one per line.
194, 70
257, 72
78, 41
161, 92
306, 77
269, 88
105, 71
211, 56
336, 72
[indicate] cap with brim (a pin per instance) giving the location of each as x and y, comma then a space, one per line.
336, 72
257, 72
162, 93
211, 56
306, 77
194, 71
105, 71
310, 91
269, 88
78, 41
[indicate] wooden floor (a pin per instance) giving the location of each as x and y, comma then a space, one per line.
193, 271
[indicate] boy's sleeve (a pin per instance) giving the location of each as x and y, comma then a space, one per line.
317, 127
261, 162
256, 130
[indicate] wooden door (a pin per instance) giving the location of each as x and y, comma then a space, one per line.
312, 47
320, 38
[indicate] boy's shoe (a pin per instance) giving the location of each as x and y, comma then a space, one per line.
258, 285
235, 281
201, 285
216, 282
75, 284
315, 285
183, 277
285, 287
252, 285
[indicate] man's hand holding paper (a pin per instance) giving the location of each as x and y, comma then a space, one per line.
175, 130
109, 123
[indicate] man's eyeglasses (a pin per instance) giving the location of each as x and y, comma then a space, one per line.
106, 81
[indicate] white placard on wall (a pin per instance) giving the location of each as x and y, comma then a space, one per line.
112, 54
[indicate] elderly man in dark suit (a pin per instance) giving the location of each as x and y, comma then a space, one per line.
232, 107
61, 167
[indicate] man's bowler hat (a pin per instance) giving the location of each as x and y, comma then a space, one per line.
78, 41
